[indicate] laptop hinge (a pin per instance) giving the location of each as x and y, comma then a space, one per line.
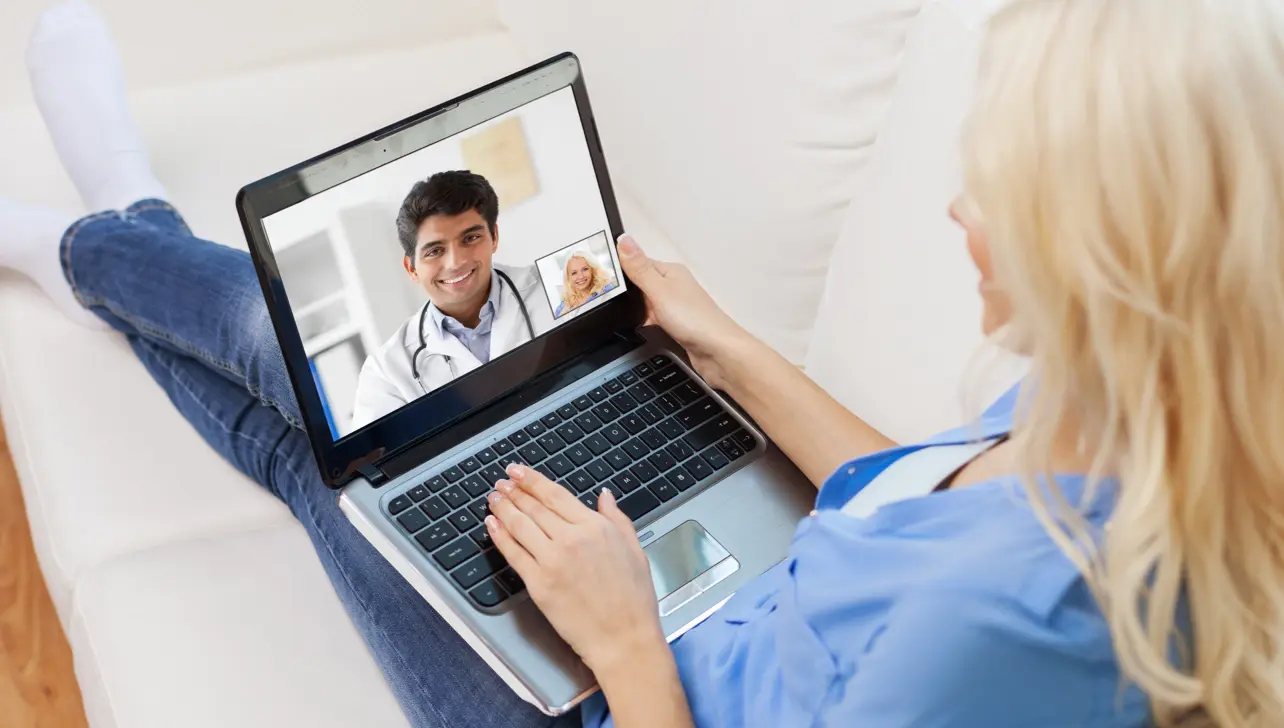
372, 474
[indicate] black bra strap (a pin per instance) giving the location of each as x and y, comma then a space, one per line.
949, 479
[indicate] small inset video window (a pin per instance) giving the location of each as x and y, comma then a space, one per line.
579, 276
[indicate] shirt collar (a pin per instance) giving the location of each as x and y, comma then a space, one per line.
488, 310
997, 420
856, 474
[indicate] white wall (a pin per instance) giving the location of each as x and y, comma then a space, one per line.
569, 206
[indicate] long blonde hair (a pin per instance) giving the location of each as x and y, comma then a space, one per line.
1128, 159
572, 296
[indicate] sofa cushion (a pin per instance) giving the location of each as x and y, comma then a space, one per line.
231, 36
898, 338
107, 466
738, 127
235, 630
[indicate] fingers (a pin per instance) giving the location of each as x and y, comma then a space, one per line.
523, 528
548, 521
637, 266
609, 507
553, 496
516, 554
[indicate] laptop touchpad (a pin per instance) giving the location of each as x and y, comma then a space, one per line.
685, 563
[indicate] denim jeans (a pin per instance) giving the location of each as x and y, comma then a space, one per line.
195, 316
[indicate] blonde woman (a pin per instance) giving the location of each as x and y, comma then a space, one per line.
583, 280
1103, 548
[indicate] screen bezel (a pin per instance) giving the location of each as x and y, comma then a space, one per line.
342, 460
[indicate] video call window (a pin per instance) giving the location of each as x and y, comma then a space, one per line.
429, 267
578, 275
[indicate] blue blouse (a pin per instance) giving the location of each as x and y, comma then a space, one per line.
605, 290
951, 610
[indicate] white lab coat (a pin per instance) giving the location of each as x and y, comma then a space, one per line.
387, 381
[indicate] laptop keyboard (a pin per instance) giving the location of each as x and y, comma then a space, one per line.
649, 434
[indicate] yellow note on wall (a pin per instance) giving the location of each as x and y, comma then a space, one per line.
499, 153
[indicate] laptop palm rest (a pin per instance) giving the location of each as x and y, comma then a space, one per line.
685, 563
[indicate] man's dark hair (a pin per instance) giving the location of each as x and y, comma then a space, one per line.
445, 193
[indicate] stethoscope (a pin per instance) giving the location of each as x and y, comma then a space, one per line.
450, 360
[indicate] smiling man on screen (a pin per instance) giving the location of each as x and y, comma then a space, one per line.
448, 231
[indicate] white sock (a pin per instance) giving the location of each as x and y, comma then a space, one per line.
79, 85
29, 244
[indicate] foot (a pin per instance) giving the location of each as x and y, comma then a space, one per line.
79, 85
30, 238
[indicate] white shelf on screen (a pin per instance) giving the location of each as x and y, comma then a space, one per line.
320, 305
330, 338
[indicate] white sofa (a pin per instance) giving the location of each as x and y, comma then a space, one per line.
799, 156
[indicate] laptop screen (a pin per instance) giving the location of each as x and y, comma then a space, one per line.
438, 263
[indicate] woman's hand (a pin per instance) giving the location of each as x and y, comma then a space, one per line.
584, 569
816, 432
679, 304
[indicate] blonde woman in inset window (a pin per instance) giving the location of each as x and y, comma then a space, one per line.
583, 280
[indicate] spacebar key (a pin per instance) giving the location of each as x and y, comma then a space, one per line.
710, 432
639, 504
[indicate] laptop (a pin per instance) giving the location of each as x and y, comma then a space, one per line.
569, 381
